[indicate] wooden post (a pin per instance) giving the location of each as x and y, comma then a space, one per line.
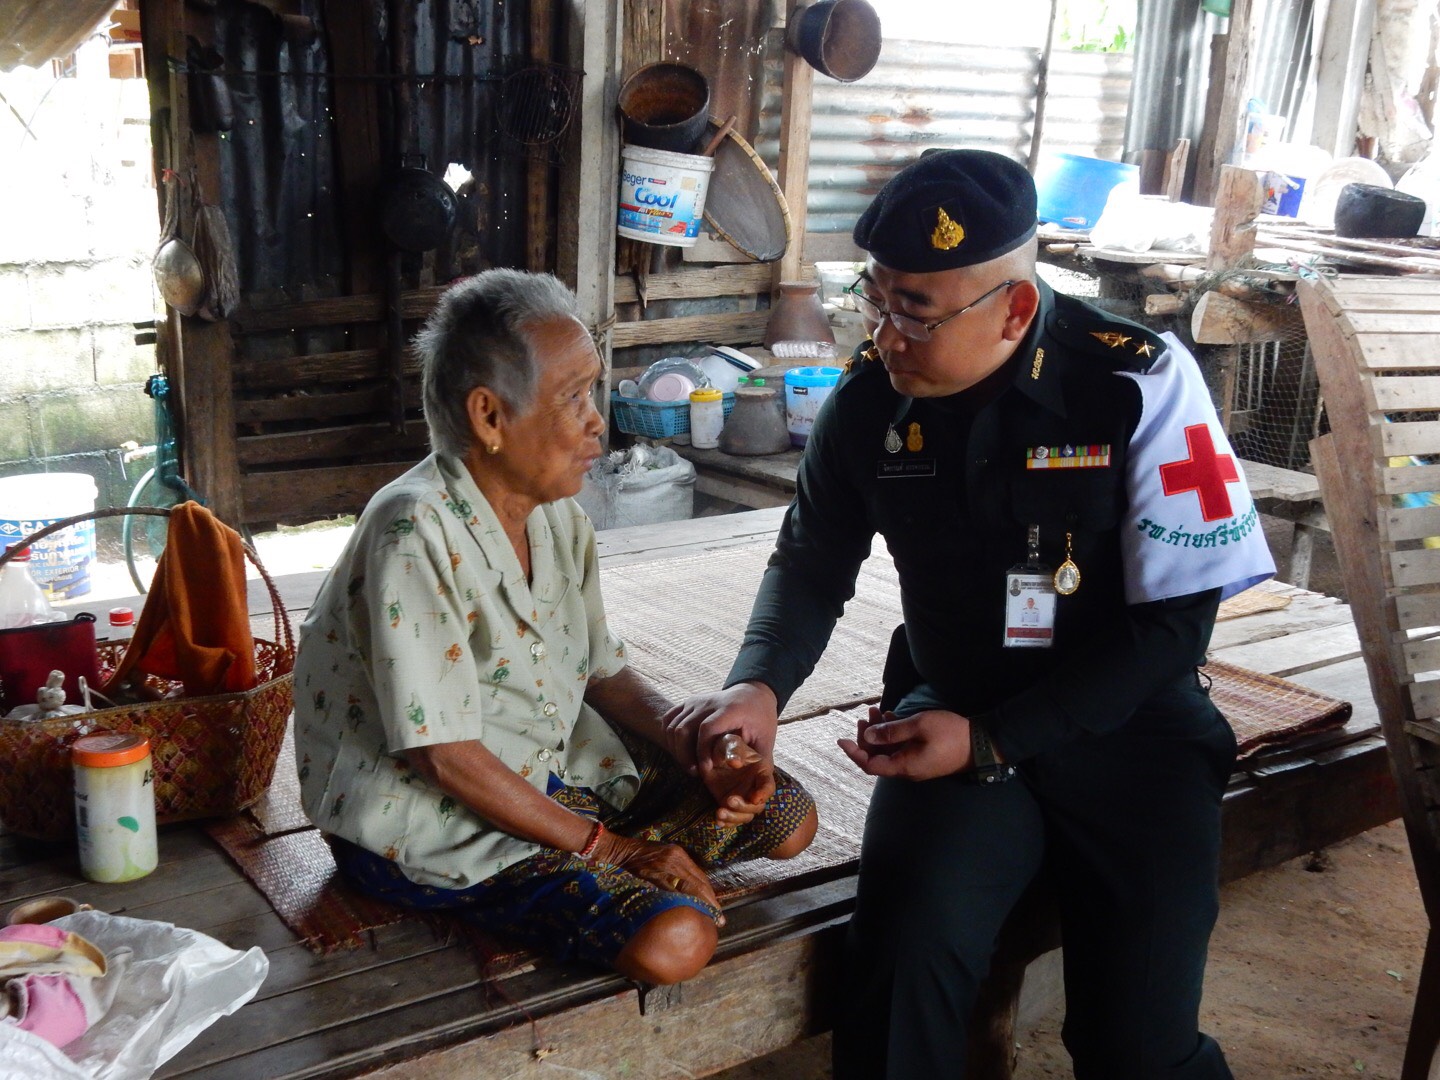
1237, 202
1173, 184
1341, 56
585, 243
537, 187
1222, 129
794, 172
1042, 90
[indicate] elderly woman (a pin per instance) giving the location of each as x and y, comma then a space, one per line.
468, 733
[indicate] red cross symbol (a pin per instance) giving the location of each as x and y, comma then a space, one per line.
1206, 473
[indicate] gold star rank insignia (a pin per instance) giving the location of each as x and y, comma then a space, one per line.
1144, 348
1110, 337
914, 441
948, 232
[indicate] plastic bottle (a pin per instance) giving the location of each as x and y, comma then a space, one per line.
22, 601
114, 806
707, 417
122, 624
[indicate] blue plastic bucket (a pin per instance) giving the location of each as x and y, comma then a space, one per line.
806, 389
662, 195
1072, 189
28, 503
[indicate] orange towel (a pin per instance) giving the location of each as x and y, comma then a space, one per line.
195, 625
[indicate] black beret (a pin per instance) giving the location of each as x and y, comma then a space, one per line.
949, 209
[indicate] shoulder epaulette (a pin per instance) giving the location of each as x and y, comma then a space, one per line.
1126, 345
864, 356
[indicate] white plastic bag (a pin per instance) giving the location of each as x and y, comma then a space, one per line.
173, 984
639, 486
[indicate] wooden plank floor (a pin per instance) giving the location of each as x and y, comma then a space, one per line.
413, 1004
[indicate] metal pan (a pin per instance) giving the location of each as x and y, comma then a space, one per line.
744, 204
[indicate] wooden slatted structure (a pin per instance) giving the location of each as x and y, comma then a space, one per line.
1376, 343
312, 430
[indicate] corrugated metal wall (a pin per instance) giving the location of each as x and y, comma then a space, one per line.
922, 94
282, 190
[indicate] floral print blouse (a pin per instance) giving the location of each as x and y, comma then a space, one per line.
426, 631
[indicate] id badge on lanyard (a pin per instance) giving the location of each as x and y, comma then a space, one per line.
1030, 600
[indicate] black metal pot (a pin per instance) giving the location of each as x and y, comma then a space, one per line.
418, 209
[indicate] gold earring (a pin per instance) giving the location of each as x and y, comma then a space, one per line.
492, 449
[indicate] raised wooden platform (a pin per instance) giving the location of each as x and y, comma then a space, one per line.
416, 1006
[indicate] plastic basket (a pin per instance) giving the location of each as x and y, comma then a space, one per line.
656, 419
212, 755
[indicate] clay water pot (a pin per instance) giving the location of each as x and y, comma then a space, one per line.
757, 424
1371, 210
798, 315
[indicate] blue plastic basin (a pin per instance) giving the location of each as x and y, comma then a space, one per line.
1072, 188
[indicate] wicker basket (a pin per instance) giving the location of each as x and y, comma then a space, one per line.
212, 755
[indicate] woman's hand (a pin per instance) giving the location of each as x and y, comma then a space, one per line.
666, 865
691, 729
739, 778
920, 747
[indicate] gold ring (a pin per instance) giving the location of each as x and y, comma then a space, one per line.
675, 884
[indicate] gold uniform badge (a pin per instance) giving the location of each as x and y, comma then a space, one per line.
948, 232
914, 441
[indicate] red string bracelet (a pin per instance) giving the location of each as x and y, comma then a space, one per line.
590, 845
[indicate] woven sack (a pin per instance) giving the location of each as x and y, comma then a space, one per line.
211, 756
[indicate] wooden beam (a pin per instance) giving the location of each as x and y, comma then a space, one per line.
1340, 62
334, 311
1222, 131
1222, 320
688, 284
301, 495
334, 444
1237, 203
793, 174
320, 368
585, 240
734, 328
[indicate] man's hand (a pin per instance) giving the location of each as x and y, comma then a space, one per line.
746, 709
666, 865
739, 778
920, 747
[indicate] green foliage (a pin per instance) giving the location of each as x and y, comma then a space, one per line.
1096, 25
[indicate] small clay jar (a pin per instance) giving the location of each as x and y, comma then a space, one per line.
798, 315
757, 423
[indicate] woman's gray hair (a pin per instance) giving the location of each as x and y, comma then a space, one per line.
476, 337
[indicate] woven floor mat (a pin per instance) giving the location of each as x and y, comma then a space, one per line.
1251, 602
682, 621
278, 849
1266, 709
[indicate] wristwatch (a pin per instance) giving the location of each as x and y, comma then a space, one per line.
988, 769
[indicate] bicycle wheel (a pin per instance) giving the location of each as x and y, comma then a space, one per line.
143, 537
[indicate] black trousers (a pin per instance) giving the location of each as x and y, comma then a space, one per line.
1126, 825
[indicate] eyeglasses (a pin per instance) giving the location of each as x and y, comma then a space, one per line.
913, 328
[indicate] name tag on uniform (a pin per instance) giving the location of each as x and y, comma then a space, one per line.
905, 468
1029, 611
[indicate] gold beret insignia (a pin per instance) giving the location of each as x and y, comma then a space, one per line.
948, 233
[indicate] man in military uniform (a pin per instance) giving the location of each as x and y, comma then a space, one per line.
1065, 515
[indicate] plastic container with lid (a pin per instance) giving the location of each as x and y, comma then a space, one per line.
707, 417
806, 389
114, 806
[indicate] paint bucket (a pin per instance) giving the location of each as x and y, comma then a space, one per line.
806, 389
662, 195
28, 503
1071, 189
